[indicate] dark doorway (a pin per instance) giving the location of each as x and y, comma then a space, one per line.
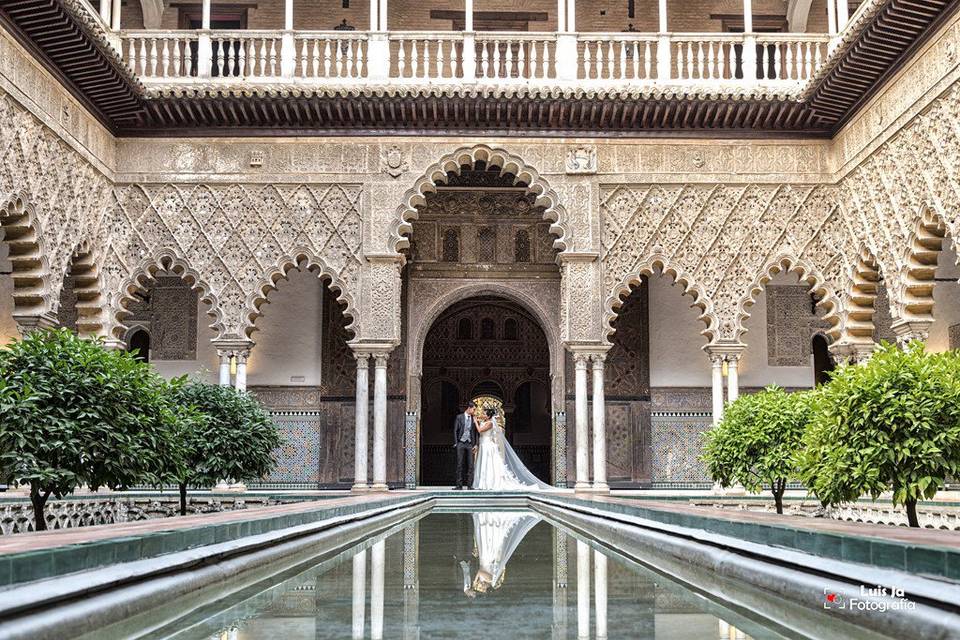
822, 362
485, 346
140, 345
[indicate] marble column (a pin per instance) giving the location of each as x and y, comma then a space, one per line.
599, 426
361, 420
600, 593
733, 377
468, 15
831, 18
115, 16
716, 367
241, 357
359, 593
225, 357
583, 590
843, 14
377, 558
582, 425
380, 422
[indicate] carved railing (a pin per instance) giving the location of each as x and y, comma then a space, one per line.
330, 54
307, 57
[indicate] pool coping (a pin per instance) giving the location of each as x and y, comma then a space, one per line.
865, 548
19, 568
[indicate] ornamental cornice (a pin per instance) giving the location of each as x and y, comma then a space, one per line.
707, 91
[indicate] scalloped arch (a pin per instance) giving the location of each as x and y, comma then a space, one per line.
166, 260
436, 174
303, 259
659, 264
819, 286
28, 256
921, 253
856, 321
85, 268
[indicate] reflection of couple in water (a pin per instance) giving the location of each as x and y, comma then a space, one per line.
496, 535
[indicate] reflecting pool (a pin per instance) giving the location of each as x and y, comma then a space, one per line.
484, 574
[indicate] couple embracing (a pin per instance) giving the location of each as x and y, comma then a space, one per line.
497, 466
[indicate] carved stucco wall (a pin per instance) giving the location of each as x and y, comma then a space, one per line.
720, 216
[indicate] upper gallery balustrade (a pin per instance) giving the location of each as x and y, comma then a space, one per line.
724, 43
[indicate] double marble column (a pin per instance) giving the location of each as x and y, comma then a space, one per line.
583, 592
377, 566
724, 365
233, 356
379, 356
584, 362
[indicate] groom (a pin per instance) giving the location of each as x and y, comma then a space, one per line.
465, 438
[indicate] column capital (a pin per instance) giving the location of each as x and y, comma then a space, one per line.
362, 358
581, 360
911, 331
729, 351
852, 352
233, 347
598, 359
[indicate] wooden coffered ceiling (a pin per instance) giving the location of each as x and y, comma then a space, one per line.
69, 44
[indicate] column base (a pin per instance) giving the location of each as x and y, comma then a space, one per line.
237, 487
379, 487
582, 487
600, 487
360, 487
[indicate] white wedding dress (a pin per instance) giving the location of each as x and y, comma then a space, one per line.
498, 468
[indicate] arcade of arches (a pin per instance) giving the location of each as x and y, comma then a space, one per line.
614, 294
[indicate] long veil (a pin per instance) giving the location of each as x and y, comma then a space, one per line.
512, 462
497, 535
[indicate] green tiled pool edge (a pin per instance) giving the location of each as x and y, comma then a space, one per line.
940, 562
18, 568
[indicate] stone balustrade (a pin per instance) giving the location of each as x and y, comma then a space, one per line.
931, 516
594, 60
17, 517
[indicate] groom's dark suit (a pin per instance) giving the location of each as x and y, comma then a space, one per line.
465, 438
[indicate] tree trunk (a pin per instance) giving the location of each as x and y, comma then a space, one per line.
912, 513
39, 502
183, 499
778, 486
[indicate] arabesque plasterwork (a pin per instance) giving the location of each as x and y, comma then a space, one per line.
721, 217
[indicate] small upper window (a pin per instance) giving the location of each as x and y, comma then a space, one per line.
464, 329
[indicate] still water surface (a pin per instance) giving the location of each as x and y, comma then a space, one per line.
487, 575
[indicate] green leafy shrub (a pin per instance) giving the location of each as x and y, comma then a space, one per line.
73, 413
757, 439
890, 424
234, 440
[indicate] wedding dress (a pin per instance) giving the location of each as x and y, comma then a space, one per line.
497, 535
498, 467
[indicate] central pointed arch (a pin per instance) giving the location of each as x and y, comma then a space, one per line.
508, 163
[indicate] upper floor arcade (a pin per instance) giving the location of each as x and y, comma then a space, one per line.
448, 66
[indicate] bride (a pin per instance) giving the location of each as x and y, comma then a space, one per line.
498, 468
